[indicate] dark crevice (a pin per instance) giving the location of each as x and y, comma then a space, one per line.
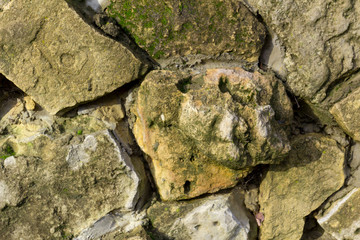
223, 84
332, 86
117, 33
312, 230
183, 85
187, 187
155, 234
127, 87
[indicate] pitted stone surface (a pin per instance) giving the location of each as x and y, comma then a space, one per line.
204, 132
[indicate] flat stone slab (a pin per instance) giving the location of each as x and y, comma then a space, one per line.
290, 192
347, 112
58, 59
182, 28
215, 217
342, 219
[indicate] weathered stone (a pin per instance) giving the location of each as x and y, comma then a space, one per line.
109, 110
182, 28
117, 225
341, 216
338, 135
29, 103
203, 132
54, 185
138, 233
215, 217
354, 163
321, 40
272, 56
289, 192
54, 56
346, 112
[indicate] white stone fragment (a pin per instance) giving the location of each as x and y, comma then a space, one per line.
10, 162
79, 154
223, 217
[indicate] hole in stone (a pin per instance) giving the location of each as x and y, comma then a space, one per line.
187, 187
182, 85
216, 223
357, 231
197, 227
223, 82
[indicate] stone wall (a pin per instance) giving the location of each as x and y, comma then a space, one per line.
179, 119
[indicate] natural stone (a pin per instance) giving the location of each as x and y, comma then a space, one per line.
109, 110
29, 103
289, 192
138, 233
215, 217
338, 135
203, 132
178, 28
354, 163
321, 40
117, 225
272, 55
58, 59
341, 216
346, 112
57, 182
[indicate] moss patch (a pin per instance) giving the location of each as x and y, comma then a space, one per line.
172, 27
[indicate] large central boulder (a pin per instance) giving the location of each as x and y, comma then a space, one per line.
204, 132
53, 55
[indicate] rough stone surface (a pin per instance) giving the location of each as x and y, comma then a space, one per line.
56, 182
215, 217
321, 38
346, 112
181, 28
203, 132
138, 233
289, 192
273, 55
117, 225
341, 216
54, 56
354, 179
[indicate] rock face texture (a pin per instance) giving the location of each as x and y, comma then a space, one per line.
341, 219
346, 111
179, 119
52, 54
288, 192
340, 215
55, 185
217, 217
322, 41
180, 28
195, 128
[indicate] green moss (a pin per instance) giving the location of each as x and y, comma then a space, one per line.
151, 24
8, 152
159, 54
